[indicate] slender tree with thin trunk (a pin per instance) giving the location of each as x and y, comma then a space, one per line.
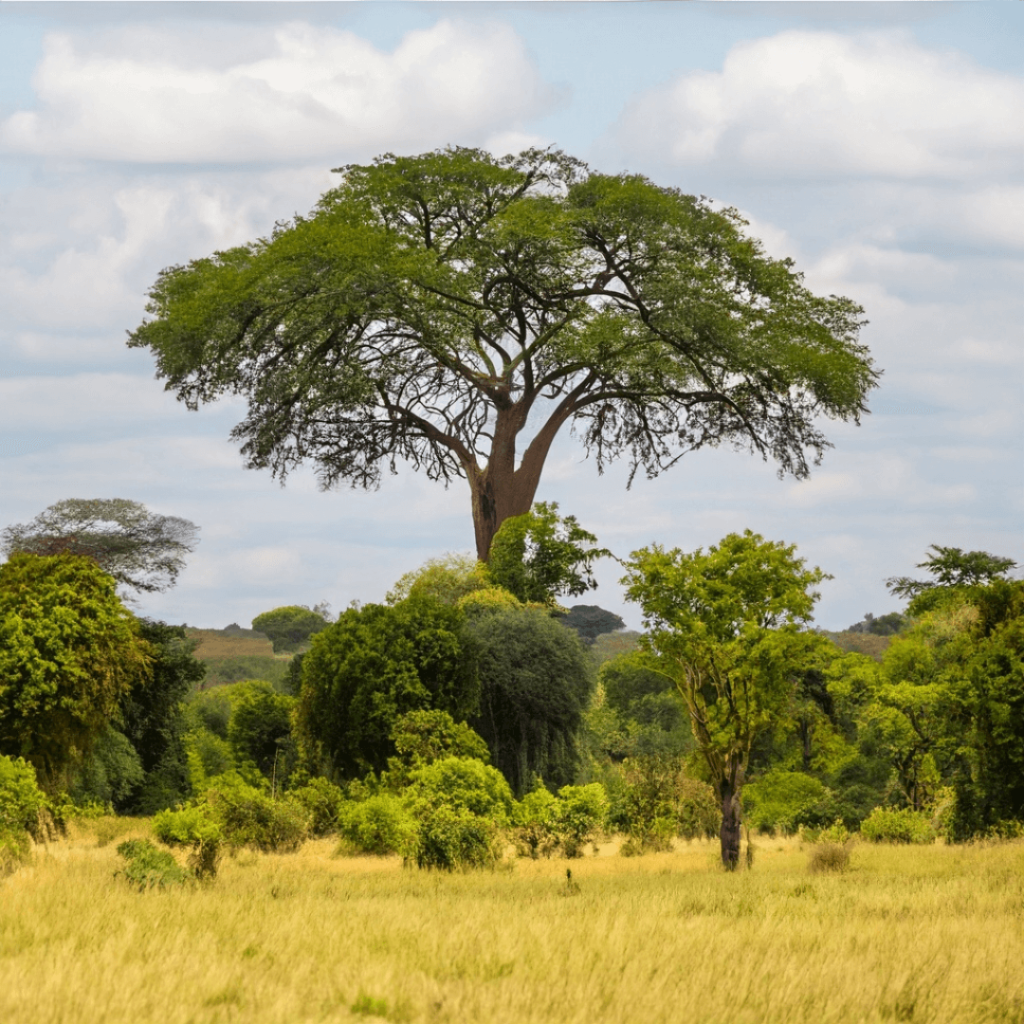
455, 311
725, 626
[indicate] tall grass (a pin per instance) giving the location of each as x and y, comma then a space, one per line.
907, 934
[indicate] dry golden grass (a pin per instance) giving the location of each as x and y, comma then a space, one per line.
212, 645
923, 934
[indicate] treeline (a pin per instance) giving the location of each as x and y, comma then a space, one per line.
460, 715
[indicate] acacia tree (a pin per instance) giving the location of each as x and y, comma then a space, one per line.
724, 626
142, 550
455, 311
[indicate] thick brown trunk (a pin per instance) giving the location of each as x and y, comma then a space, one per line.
501, 491
729, 789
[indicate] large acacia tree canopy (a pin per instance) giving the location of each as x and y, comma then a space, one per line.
142, 550
432, 308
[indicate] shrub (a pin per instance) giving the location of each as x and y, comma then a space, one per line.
533, 835
379, 825
832, 849
24, 812
322, 802
422, 737
830, 857
579, 816
450, 838
783, 801
658, 802
193, 826
249, 817
897, 825
463, 783
147, 867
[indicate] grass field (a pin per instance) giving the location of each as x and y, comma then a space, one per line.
213, 644
907, 934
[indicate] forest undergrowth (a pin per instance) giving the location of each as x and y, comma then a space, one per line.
905, 934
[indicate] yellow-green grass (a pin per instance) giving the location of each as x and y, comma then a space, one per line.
213, 646
907, 934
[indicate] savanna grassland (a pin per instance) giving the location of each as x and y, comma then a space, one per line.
906, 934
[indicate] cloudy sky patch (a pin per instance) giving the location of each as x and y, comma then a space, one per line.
879, 145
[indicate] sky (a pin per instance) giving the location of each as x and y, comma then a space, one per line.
881, 146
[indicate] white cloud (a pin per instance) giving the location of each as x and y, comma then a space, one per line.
821, 104
313, 92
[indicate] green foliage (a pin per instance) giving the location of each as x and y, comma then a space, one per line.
955, 574
196, 827
725, 626
147, 867
70, 653
541, 555
534, 834
447, 579
831, 852
23, 807
535, 684
451, 838
637, 712
897, 825
380, 825
492, 283
579, 816
422, 737
658, 801
463, 783
260, 731
883, 625
783, 801
289, 627
152, 718
374, 665
321, 800
590, 621
111, 770
141, 550
251, 817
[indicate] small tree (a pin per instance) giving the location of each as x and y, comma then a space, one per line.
70, 652
141, 550
291, 626
724, 625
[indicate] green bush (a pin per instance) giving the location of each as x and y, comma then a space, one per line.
897, 825
452, 838
23, 812
249, 817
322, 802
463, 783
147, 867
422, 737
657, 801
533, 835
195, 827
579, 816
379, 825
783, 801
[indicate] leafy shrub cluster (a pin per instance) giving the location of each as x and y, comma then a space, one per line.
25, 813
831, 851
897, 825
546, 823
658, 802
147, 867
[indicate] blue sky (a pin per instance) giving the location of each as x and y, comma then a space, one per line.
879, 145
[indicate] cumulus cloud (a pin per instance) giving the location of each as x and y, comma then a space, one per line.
821, 104
312, 92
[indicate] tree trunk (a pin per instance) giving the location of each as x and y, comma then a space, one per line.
729, 789
501, 491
